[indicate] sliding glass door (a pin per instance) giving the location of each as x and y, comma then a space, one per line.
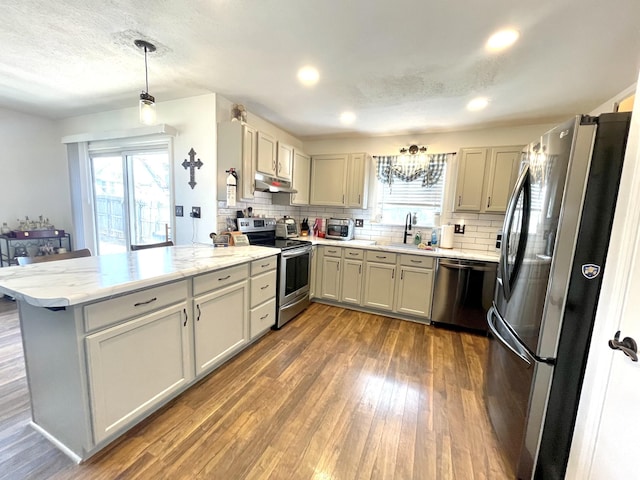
132, 198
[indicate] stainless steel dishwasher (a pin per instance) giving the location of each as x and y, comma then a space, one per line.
463, 292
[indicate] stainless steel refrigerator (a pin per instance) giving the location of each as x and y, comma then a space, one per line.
553, 253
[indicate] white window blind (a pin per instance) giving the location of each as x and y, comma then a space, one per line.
403, 197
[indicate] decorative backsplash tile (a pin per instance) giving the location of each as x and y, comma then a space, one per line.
480, 234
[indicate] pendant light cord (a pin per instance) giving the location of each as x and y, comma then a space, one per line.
146, 71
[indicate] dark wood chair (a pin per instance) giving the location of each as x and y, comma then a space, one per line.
168, 243
85, 252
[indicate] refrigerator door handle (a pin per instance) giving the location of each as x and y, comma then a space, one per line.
512, 344
523, 186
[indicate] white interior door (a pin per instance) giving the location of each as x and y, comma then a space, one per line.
607, 434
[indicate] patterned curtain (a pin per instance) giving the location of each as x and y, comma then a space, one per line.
411, 167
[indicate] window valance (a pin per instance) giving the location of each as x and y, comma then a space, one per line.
429, 168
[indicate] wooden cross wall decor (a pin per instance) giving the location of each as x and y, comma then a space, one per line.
192, 164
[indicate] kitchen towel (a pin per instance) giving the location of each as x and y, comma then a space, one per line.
446, 237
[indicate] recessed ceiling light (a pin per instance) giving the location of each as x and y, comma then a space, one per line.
477, 104
308, 76
502, 39
348, 118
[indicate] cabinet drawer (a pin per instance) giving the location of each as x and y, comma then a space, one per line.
381, 257
263, 287
221, 278
416, 261
353, 253
263, 265
263, 318
332, 251
109, 312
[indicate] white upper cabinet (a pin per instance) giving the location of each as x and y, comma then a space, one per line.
285, 161
502, 173
329, 179
267, 159
485, 179
301, 178
470, 178
357, 180
237, 148
340, 180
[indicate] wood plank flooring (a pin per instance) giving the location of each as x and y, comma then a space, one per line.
335, 394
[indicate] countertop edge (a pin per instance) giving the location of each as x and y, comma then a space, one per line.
471, 255
68, 298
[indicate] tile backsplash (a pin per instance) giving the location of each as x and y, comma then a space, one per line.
480, 234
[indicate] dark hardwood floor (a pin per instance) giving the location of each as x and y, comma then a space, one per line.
335, 394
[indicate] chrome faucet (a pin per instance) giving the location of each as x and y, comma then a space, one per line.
407, 227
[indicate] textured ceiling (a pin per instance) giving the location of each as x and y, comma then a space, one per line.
402, 66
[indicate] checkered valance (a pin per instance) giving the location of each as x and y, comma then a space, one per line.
412, 167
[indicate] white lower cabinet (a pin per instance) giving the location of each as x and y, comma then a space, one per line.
314, 272
414, 291
330, 278
351, 281
263, 296
136, 365
221, 324
379, 285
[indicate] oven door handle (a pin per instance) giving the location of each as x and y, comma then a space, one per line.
295, 252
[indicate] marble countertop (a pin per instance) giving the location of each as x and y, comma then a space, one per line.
410, 248
81, 280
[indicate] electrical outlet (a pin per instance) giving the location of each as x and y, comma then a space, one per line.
359, 222
179, 211
458, 228
195, 212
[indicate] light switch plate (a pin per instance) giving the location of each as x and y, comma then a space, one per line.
179, 211
458, 229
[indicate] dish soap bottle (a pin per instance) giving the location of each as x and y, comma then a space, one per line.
418, 238
434, 237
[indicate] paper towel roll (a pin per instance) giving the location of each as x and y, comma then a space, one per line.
446, 236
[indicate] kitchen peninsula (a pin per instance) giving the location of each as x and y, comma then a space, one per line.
109, 339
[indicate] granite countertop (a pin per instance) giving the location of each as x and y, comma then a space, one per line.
409, 248
81, 280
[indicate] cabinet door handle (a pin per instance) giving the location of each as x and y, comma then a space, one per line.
459, 199
402, 274
381, 256
224, 278
337, 266
186, 317
273, 165
265, 287
358, 198
332, 251
265, 265
416, 261
353, 254
359, 268
264, 316
145, 303
393, 274
343, 198
199, 312
488, 202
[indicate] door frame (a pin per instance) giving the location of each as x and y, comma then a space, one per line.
625, 235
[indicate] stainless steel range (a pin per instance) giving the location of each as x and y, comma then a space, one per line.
293, 267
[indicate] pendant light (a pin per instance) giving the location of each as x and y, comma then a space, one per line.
147, 102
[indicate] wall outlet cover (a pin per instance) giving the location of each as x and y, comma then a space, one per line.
359, 222
195, 212
179, 211
458, 229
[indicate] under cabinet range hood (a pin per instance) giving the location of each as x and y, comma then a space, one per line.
265, 183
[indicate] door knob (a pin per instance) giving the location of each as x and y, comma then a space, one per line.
627, 345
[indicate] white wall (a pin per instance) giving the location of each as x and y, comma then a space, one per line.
195, 120
33, 169
441, 142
